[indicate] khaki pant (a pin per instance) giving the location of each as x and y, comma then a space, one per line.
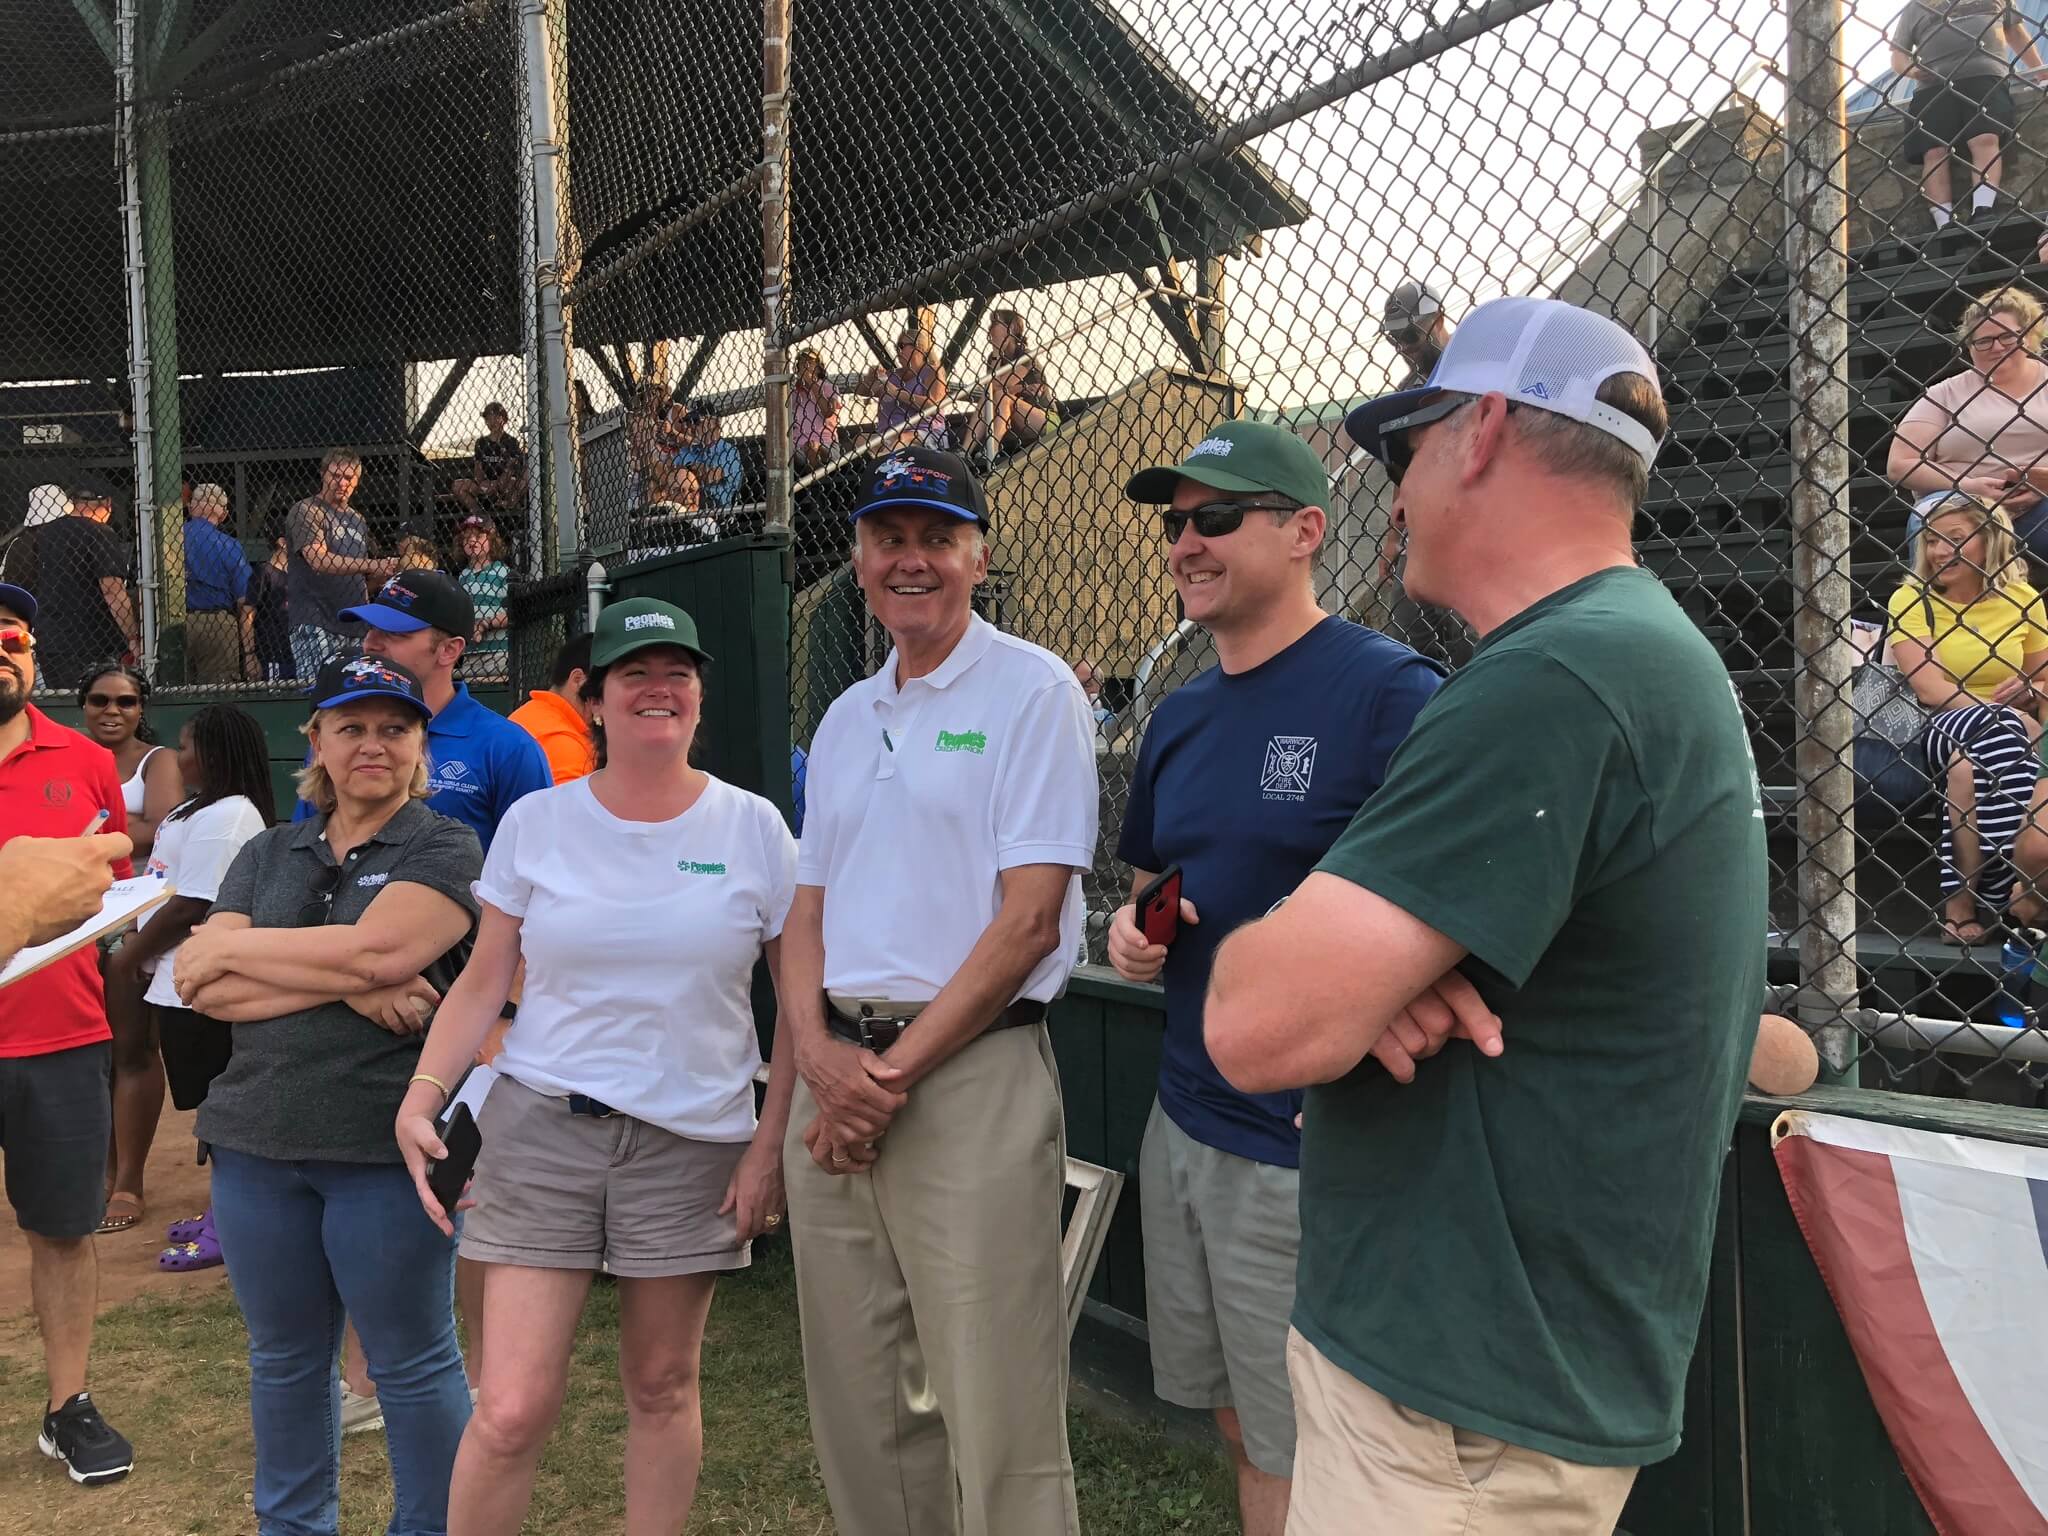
213, 647
1363, 1465
935, 1338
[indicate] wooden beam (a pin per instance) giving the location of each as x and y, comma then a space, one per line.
437, 403
700, 359
886, 355
964, 333
1175, 322
612, 376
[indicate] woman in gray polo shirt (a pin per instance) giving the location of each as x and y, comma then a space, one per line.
318, 942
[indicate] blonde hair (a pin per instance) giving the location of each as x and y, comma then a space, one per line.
2015, 301
417, 554
317, 790
2004, 565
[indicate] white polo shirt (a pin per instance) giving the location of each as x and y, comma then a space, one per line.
916, 800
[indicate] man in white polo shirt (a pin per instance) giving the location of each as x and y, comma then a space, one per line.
951, 808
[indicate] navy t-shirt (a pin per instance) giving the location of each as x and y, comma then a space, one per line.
1245, 780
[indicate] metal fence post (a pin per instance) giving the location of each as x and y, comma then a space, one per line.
1817, 264
547, 273
141, 382
775, 257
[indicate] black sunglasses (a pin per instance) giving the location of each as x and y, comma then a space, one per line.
1398, 452
113, 700
315, 913
1214, 519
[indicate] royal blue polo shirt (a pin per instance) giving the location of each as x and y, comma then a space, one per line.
1245, 780
216, 570
478, 764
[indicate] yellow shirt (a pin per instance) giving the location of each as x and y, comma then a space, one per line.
1983, 646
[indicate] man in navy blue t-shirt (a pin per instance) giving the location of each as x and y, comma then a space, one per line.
1246, 777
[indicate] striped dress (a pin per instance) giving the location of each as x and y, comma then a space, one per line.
488, 586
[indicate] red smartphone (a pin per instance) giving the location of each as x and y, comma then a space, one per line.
1159, 907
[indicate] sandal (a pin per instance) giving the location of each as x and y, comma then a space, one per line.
187, 1230
202, 1252
110, 1222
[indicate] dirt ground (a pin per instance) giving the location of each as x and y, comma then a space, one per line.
174, 1187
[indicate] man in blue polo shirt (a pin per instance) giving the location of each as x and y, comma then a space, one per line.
480, 762
1246, 776
220, 626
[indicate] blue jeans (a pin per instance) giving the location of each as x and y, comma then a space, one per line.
305, 1243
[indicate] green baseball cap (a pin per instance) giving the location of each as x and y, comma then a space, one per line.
1243, 456
637, 623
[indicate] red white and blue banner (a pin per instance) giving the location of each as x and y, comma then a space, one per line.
1935, 1249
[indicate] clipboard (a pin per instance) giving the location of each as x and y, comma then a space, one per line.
124, 903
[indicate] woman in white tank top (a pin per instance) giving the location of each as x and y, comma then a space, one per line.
113, 699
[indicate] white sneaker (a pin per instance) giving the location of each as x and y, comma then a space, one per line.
359, 1413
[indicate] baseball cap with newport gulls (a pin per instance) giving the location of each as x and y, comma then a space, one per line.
1540, 353
637, 623
925, 477
413, 600
1243, 456
348, 678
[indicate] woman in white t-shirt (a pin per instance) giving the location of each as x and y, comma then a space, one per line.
620, 1131
226, 766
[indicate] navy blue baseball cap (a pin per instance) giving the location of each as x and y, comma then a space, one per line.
348, 678
925, 477
19, 600
413, 600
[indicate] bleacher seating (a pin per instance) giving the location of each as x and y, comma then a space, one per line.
1716, 529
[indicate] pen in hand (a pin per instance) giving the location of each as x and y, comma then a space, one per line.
99, 820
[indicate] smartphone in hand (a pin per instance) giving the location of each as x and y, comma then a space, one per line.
463, 1141
1158, 907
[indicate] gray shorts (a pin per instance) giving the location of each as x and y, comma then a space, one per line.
560, 1191
1222, 1234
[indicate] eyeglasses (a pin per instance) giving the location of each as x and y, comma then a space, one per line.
113, 701
315, 913
1395, 436
1215, 519
16, 642
1993, 342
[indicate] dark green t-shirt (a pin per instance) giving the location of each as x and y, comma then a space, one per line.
1519, 1246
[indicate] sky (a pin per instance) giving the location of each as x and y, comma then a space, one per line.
1475, 169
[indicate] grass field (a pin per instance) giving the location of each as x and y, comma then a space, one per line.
173, 1376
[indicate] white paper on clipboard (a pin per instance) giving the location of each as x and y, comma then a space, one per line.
125, 902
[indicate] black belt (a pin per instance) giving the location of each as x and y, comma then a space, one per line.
876, 1029
596, 1109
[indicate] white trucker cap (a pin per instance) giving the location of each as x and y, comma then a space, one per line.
1538, 352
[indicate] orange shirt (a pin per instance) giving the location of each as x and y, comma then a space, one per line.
553, 722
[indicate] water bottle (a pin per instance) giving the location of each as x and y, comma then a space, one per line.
2015, 977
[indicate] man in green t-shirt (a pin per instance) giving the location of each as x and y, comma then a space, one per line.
1503, 1262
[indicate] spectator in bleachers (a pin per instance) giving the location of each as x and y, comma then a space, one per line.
330, 567
646, 428
78, 570
269, 586
220, 625
813, 413
1971, 636
716, 461
485, 576
558, 716
913, 387
416, 552
1958, 53
1018, 406
1984, 431
497, 479
1414, 320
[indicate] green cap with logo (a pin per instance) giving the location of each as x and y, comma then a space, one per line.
637, 623
1241, 456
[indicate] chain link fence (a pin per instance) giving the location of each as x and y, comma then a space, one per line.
715, 260
272, 269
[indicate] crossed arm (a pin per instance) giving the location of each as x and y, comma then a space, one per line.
233, 971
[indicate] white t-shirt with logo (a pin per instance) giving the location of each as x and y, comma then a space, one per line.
916, 799
193, 853
640, 940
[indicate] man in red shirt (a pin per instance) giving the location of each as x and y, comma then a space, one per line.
55, 1103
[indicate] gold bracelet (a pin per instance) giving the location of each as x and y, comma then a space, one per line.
428, 1077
